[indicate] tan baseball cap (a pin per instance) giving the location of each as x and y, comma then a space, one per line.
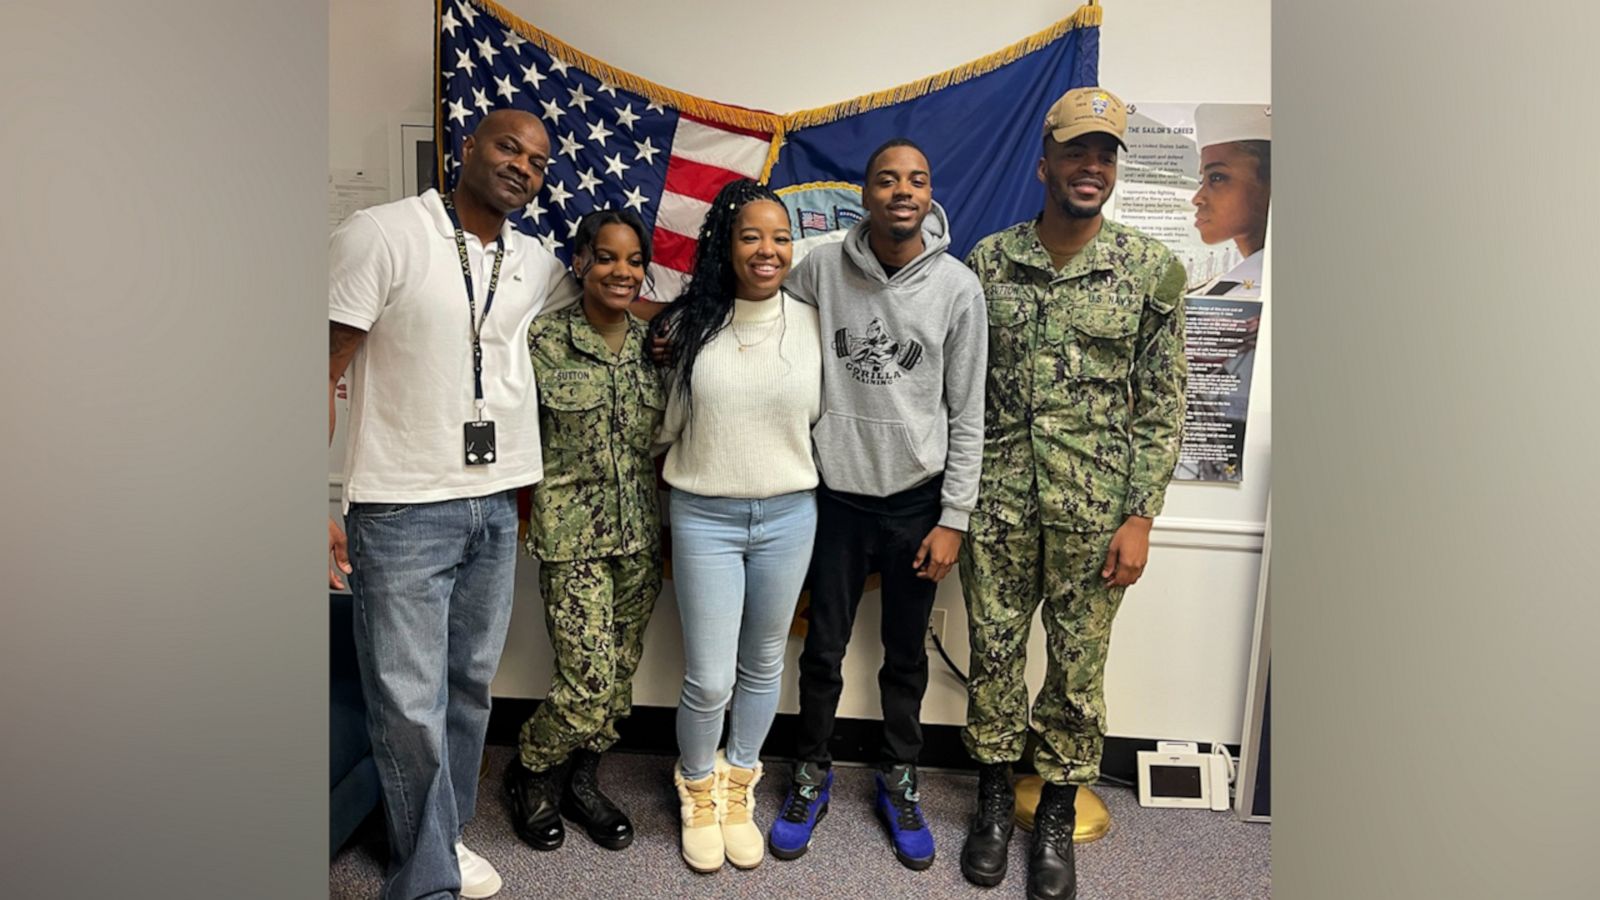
1086, 110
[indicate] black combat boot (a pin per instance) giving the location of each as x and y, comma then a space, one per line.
1052, 872
584, 804
534, 813
987, 850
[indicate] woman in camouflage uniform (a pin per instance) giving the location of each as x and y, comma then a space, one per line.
595, 528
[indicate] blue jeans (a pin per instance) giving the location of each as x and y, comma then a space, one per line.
738, 566
432, 587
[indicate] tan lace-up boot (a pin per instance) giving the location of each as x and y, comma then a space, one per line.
702, 835
741, 838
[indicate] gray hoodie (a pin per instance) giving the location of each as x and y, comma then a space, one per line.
903, 364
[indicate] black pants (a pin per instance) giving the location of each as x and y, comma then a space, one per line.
851, 543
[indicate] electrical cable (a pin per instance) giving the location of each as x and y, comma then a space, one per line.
954, 670
1217, 747
962, 677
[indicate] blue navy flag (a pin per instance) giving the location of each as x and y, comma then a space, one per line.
981, 126
621, 141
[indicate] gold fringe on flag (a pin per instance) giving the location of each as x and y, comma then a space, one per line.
778, 136
1087, 16
734, 116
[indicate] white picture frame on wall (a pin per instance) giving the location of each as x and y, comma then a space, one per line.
411, 154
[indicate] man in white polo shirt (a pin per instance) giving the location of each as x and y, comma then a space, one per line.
430, 299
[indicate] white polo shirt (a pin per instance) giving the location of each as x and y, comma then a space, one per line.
395, 273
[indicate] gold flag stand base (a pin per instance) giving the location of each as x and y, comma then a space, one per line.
1094, 820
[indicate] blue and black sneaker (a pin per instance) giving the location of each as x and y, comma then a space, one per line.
805, 806
897, 807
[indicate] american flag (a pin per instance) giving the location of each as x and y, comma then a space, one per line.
812, 220
610, 147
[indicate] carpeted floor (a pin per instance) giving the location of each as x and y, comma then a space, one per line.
1150, 854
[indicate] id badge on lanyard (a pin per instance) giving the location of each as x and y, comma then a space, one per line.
478, 434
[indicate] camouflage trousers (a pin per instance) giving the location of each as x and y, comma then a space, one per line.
596, 611
1007, 571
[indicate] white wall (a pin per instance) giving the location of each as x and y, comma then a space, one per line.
1182, 641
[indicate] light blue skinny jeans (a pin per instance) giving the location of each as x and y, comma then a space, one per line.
737, 567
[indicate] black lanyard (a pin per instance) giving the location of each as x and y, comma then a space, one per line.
472, 303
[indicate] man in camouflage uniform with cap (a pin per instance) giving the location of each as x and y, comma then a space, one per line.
596, 530
1081, 430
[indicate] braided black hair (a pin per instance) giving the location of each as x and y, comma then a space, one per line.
706, 304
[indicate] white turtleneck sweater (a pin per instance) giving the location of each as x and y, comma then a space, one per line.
757, 392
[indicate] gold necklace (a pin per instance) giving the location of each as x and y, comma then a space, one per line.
743, 344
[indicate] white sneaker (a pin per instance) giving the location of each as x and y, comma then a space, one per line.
478, 878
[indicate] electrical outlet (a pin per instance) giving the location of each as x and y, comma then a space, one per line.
935, 627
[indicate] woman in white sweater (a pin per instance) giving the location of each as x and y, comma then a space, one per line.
744, 365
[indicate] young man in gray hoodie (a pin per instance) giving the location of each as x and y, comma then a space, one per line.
898, 447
